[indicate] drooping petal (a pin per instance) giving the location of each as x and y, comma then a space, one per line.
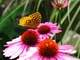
66, 49
65, 4
53, 5
13, 51
18, 52
47, 29
62, 56
13, 41
11, 47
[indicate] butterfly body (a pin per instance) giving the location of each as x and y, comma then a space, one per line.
31, 21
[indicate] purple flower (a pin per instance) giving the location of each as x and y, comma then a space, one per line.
47, 29
20, 45
59, 3
49, 50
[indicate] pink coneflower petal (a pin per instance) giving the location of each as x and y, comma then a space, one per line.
50, 23
65, 4
44, 58
27, 54
53, 58
15, 54
11, 44
49, 34
59, 3
11, 52
14, 40
62, 56
19, 46
24, 56
67, 49
53, 4
35, 57
11, 47
32, 49
55, 31
47, 29
48, 50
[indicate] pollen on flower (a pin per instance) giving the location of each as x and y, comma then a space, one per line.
43, 29
29, 37
48, 48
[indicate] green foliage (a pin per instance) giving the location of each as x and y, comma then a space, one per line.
0, 2
14, 10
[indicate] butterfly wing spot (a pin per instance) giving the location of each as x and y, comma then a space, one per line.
28, 21
39, 21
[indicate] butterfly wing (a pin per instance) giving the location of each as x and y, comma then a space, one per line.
31, 21
36, 19
24, 20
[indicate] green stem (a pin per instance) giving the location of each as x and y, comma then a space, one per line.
78, 53
77, 26
71, 23
6, 9
0, 2
52, 36
5, 19
27, 1
78, 41
65, 16
38, 5
68, 11
52, 15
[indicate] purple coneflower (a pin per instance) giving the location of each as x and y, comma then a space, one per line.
49, 50
59, 3
47, 29
20, 45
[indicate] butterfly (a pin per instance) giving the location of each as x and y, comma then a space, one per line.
31, 21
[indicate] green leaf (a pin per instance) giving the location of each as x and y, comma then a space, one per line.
68, 12
0, 38
0, 2
9, 29
38, 5
7, 8
4, 20
71, 22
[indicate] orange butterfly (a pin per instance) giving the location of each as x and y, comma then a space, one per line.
31, 21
